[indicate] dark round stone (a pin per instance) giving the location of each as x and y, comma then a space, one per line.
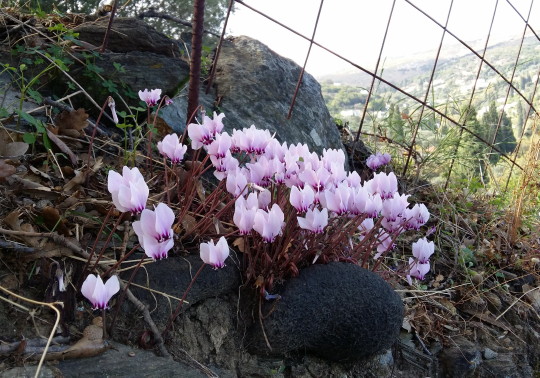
338, 311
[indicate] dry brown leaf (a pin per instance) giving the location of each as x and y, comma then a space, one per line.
13, 220
32, 241
39, 173
54, 221
6, 169
448, 305
91, 344
188, 223
239, 243
13, 149
71, 123
220, 228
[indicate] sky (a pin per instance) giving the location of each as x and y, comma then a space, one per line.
355, 28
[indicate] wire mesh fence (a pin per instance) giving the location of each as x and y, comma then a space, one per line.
485, 78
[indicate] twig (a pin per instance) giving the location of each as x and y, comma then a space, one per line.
146, 314
151, 12
53, 331
59, 239
16, 247
107, 32
516, 301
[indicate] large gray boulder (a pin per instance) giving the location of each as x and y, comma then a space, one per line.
254, 86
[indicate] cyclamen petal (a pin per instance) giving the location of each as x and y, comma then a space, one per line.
154, 231
315, 220
269, 223
171, 147
129, 191
200, 135
422, 249
215, 254
150, 97
417, 270
98, 293
302, 199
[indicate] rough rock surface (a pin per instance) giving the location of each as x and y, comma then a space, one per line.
149, 58
120, 361
337, 311
255, 86
173, 276
128, 34
143, 70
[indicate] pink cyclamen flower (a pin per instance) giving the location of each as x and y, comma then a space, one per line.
215, 254
315, 220
302, 199
151, 97
154, 231
200, 135
98, 293
417, 270
337, 200
383, 184
269, 223
220, 146
422, 250
171, 147
237, 181
215, 125
244, 213
417, 216
129, 191
378, 160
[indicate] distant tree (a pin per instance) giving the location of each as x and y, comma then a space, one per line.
395, 124
521, 119
471, 150
503, 136
214, 15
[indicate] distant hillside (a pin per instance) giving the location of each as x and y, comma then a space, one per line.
455, 76
453, 59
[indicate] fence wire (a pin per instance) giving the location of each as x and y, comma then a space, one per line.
423, 101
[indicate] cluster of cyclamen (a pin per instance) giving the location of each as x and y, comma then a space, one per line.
320, 188
154, 228
130, 192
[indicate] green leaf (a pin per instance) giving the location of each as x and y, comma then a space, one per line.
118, 67
93, 68
111, 87
40, 127
29, 138
35, 95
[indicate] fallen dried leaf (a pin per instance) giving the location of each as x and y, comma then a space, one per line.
71, 123
6, 169
188, 223
13, 149
239, 243
54, 221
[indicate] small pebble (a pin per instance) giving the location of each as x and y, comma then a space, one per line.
490, 354
131, 354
